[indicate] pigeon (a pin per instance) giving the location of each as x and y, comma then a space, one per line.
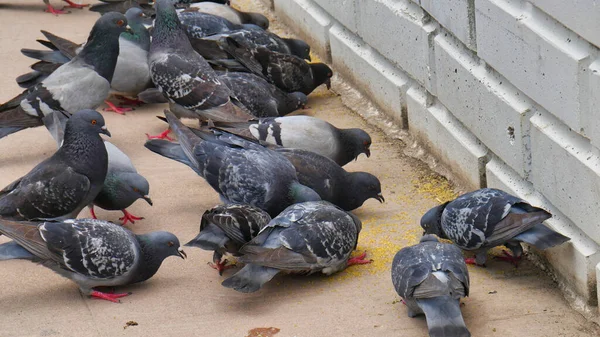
70, 4
305, 238
82, 83
233, 15
239, 170
288, 72
92, 253
198, 25
431, 277
122, 186
306, 133
225, 228
347, 190
182, 75
62, 185
487, 218
260, 97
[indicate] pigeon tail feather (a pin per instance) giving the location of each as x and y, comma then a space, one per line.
542, 237
12, 250
444, 318
250, 278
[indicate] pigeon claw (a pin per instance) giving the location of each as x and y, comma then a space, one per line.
221, 266
506, 256
93, 213
359, 259
130, 101
55, 11
119, 110
129, 217
473, 261
162, 135
108, 296
74, 5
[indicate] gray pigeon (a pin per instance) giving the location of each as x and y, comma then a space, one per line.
306, 133
122, 186
62, 185
82, 83
305, 238
231, 14
91, 253
181, 74
225, 228
487, 218
347, 190
239, 170
431, 277
260, 97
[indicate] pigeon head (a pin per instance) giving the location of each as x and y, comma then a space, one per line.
137, 187
361, 187
258, 19
139, 34
167, 27
301, 193
297, 100
432, 221
321, 74
357, 141
86, 121
429, 238
160, 245
298, 48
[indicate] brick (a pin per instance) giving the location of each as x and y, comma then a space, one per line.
457, 16
398, 30
572, 262
344, 11
310, 21
536, 53
590, 119
374, 75
445, 137
485, 103
581, 16
566, 168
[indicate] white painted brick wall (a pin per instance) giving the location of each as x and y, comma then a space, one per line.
458, 16
344, 11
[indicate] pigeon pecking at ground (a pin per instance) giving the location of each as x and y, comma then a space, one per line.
487, 218
305, 238
91, 253
82, 83
347, 190
239, 170
122, 186
62, 185
306, 133
225, 228
431, 277
231, 14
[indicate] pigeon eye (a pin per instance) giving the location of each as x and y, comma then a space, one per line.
135, 189
120, 23
329, 74
170, 244
94, 122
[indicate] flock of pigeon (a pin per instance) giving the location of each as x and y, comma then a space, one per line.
286, 198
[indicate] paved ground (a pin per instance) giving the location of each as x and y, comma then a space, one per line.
186, 298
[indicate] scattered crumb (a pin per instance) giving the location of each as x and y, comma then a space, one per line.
130, 323
263, 332
493, 292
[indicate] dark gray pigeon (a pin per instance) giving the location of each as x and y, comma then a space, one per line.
239, 170
487, 218
91, 253
181, 74
122, 186
82, 83
347, 190
431, 277
306, 133
305, 238
260, 97
231, 14
62, 185
225, 228
288, 72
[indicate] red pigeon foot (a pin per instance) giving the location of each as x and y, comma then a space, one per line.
129, 217
55, 11
74, 5
119, 110
221, 266
107, 296
359, 260
509, 258
162, 135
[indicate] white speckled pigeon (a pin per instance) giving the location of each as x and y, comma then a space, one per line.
306, 133
231, 14
91, 253
487, 218
431, 277
82, 83
239, 170
225, 228
305, 238
122, 186
348, 190
62, 185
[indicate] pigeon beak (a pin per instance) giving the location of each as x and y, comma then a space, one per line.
128, 30
105, 131
308, 58
380, 197
182, 254
368, 152
148, 200
328, 84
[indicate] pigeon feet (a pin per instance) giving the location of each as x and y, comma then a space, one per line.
162, 135
221, 266
473, 261
55, 11
129, 217
130, 101
107, 296
119, 110
74, 5
359, 259
93, 213
509, 258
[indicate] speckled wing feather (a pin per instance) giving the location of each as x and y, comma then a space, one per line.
199, 25
240, 222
